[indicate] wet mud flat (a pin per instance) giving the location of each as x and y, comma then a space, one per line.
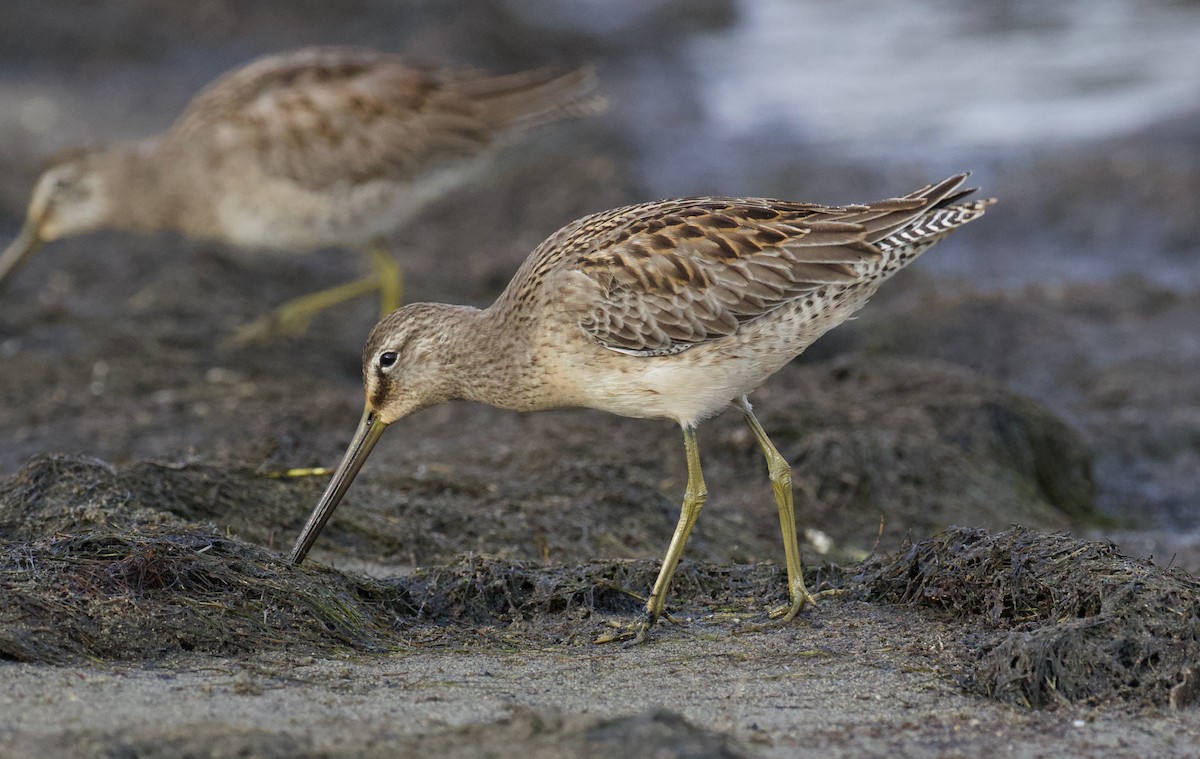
1017, 627
1051, 619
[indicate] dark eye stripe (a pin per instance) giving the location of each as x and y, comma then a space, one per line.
387, 359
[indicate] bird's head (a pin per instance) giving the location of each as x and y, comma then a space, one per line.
71, 197
404, 366
407, 366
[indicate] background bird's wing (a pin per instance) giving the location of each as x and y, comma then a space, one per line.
319, 116
661, 277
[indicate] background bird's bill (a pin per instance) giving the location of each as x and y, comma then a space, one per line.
365, 437
18, 252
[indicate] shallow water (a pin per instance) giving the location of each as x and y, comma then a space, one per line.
879, 79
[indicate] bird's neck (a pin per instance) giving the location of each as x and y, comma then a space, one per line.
146, 192
488, 361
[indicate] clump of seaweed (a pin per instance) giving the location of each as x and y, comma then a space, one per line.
493, 591
56, 493
1072, 620
155, 592
121, 565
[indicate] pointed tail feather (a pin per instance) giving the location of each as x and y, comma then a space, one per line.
531, 98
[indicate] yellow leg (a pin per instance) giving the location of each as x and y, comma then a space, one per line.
781, 482
389, 276
693, 499
294, 316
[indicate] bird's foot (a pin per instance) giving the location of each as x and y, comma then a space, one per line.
801, 599
633, 633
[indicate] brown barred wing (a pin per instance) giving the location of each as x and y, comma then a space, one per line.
681, 273
318, 117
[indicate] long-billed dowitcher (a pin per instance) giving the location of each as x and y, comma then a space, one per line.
669, 310
312, 148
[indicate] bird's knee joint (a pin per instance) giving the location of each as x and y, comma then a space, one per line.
779, 471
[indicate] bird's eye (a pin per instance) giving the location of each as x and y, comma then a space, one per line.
387, 359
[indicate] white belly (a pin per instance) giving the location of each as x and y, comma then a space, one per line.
697, 383
279, 214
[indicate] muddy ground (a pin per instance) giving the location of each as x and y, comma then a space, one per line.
450, 607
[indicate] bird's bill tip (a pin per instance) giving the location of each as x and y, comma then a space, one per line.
26, 243
370, 428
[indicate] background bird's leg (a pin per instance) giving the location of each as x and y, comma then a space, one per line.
388, 275
780, 473
293, 317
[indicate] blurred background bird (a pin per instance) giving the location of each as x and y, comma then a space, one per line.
313, 148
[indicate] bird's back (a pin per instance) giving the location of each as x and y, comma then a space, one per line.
332, 115
659, 278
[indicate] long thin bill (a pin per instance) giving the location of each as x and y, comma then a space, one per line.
365, 437
18, 252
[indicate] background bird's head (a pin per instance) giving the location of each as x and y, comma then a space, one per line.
71, 197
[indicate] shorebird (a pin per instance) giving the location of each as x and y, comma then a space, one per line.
671, 310
313, 148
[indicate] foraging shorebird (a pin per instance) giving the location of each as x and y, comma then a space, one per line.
313, 148
669, 310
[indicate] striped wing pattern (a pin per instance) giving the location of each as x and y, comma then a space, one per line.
670, 275
322, 116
